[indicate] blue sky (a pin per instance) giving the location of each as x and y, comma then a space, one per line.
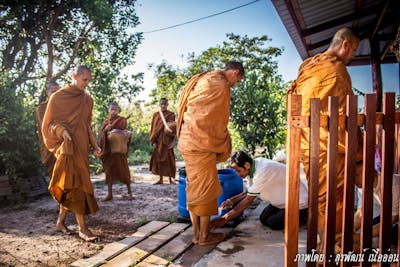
259, 18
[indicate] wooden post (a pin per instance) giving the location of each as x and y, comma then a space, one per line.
368, 177
387, 175
349, 175
376, 72
292, 181
312, 223
330, 211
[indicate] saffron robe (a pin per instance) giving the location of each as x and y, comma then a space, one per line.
70, 109
162, 160
204, 108
46, 156
322, 76
114, 165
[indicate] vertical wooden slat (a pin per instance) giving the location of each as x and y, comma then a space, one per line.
312, 222
368, 177
387, 174
349, 175
292, 182
397, 151
330, 212
397, 163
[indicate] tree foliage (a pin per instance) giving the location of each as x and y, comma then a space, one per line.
44, 40
170, 81
18, 139
258, 113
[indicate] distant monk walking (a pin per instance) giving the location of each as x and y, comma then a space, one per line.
68, 135
46, 156
115, 165
162, 138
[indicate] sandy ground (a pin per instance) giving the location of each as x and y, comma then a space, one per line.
27, 231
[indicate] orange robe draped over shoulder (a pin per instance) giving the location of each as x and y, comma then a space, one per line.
114, 165
70, 109
46, 156
204, 107
322, 76
162, 160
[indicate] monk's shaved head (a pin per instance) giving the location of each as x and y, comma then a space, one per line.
81, 69
341, 35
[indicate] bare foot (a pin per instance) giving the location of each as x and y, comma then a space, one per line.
159, 182
172, 181
87, 235
63, 229
195, 239
107, 198
212, 238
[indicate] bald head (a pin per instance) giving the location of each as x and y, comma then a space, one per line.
344, 44
341, 35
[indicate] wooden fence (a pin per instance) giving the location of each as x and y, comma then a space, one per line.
389, 121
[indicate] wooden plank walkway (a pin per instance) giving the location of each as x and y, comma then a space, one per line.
154, 244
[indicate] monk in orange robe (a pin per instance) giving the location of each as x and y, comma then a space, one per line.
162, 138
46, 156
322, 76
67, 134
115, 165
202, 128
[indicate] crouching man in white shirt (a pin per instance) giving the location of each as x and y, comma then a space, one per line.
268, 181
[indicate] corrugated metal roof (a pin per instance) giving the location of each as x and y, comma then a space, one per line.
312, 23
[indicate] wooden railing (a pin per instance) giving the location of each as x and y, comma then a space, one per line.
389, 120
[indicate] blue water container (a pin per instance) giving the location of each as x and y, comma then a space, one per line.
182, 193
232, 184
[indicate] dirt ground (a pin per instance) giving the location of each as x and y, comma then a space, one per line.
27, 231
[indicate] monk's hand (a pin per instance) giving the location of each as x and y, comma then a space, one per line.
227, 204
97, 152
66, 135
216, 223
108, 127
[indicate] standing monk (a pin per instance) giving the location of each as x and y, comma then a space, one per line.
162, 137
202, 128
115, 165
322, 76
46, 156
67, 134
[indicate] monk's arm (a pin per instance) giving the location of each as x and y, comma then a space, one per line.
57, 130
92, 140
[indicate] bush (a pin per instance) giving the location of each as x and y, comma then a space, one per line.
19, 154
139, 149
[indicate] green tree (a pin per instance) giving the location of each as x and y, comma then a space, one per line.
170, 81
18, 140
44, 40
258, 112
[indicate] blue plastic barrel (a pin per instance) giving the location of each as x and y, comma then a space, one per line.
231, 183
182, 193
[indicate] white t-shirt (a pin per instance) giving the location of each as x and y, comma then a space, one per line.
377, 200
269, 182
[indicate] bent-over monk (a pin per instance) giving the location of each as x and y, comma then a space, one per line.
202, 128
